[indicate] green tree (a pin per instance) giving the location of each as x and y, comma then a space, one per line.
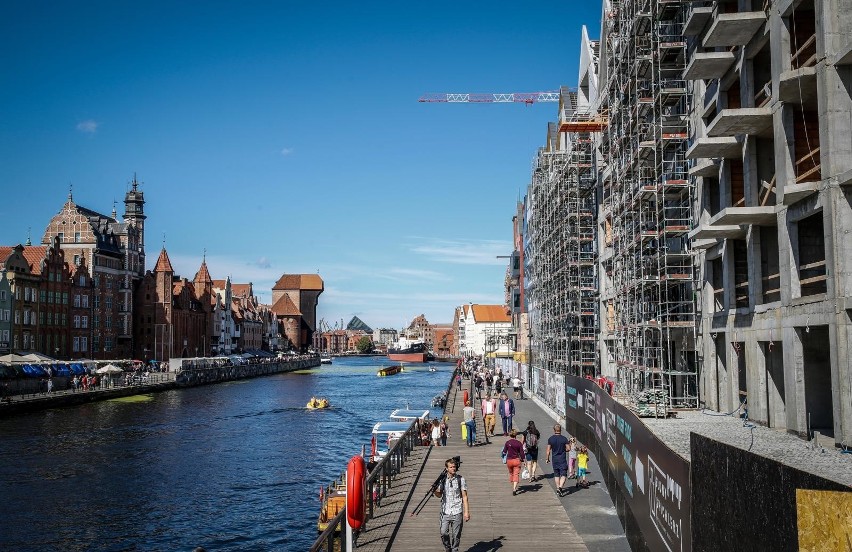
365, 345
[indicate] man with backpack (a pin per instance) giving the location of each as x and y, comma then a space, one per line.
454, 506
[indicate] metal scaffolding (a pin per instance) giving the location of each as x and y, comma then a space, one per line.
648, 285
562, 243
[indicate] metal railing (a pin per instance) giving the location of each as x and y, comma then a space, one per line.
379, 480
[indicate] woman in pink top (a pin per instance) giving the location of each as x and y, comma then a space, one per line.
513, 450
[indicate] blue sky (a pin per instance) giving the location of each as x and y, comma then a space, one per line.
286, 137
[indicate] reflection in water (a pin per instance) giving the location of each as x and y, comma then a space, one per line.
235, 466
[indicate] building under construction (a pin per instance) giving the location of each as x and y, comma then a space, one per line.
560, 238
648, 277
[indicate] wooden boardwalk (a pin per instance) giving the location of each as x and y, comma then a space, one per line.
535, 517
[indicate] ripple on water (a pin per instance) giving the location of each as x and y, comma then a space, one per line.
236, 466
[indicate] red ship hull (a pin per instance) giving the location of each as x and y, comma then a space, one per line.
407, 357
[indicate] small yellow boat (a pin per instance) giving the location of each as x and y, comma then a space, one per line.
390, 370
316, 403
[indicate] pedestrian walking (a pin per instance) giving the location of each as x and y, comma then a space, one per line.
516, 384
557, 447
454, 506
436, 433
468, 415
459, 380
531, 437
513, 451
506, 407
445, 430
572, 458
489, 411
582, 467
49, 385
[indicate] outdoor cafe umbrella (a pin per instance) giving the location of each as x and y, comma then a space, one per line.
109, 370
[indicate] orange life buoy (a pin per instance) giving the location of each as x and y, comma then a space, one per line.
355, 483
465, 396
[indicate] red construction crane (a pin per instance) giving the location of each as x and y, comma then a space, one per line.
512, 97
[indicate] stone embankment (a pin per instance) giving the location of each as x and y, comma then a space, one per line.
158, 381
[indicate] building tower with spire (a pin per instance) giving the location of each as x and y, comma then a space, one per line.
134, 214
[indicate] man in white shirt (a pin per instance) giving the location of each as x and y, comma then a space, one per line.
454, 507
489, 409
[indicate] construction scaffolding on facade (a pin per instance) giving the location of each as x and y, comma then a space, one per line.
563, 261
648, 277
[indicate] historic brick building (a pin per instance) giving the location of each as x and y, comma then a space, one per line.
114, 252
294, 302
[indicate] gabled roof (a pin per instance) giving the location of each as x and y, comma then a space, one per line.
163, 263
311, 282
203, 276
240, 290
35, 254
490, 313
285, 307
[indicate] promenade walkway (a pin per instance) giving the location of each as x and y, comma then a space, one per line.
582, 520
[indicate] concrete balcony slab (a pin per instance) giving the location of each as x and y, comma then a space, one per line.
708, 168
797, 192
709, 65
748, 120
697, 19
703, 244
797, 86
760, 216
706, 232
727, 147
733, 29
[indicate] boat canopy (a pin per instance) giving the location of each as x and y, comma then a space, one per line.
406, 414
391, 428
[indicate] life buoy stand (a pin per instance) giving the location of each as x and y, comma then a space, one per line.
355, 483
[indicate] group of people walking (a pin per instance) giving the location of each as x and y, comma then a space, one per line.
520, 454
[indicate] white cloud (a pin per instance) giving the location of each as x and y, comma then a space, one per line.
474, 252
89, 126
263, 262
286, 151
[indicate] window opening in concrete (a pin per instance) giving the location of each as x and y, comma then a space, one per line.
733, 95
816, 364
765, 156
740, 254
806, 145
762, 68
714, 197
737, 180
802, 27
812, 274
770, 274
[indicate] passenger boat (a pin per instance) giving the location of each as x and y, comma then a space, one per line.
433, 369
316, 403
385, 434
407, 415
333, 499
325, 360
408, 351
390, 370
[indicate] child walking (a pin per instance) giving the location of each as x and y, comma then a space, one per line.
582, 466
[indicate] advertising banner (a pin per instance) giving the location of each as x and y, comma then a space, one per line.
653, 479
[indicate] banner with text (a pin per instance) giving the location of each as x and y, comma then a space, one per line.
653, 479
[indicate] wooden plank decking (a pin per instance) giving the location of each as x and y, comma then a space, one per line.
498, 520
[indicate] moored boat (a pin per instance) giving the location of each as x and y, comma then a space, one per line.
325, 360
408, 351
333, 499
390, 370
385, 434
407, 415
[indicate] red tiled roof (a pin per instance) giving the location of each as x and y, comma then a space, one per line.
177, 287
163, 263
219, 284
241, 290
299, 281
5, 252
285, 307
490, 313
203, 276
34, 255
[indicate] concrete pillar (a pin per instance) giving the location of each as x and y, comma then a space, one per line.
757, 380
794, 381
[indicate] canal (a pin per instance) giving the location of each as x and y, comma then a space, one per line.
234, 466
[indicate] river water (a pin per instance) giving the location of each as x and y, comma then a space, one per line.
234, 466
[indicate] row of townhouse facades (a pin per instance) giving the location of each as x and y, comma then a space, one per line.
685, 226
85, 293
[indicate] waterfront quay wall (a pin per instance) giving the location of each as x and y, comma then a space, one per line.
158, 381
